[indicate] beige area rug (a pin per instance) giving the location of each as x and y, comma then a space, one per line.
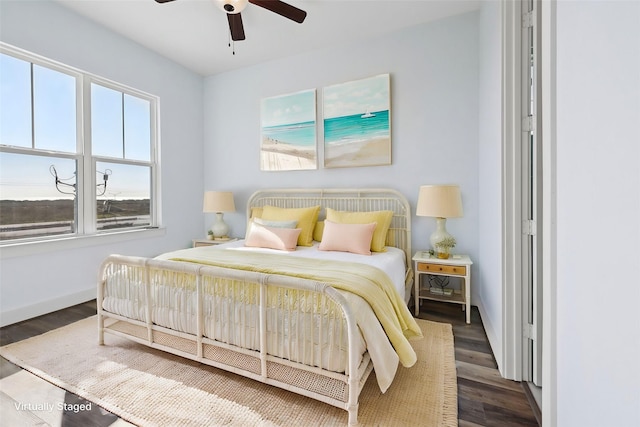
148, 387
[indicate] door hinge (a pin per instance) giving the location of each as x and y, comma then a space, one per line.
529, 124
529, 332
528, 227
528, 19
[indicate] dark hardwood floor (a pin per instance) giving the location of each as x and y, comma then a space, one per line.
96, 416
484, 397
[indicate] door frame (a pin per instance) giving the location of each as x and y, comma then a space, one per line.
531, 196
511, 191
548, 24
512, 330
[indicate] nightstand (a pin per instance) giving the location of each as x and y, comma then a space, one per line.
207, 242
455, 266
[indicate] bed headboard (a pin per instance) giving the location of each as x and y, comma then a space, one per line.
346, 199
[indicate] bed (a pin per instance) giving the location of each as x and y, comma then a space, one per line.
315, 319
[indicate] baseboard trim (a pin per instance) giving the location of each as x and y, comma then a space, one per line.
492, 337
533, 401
16, 315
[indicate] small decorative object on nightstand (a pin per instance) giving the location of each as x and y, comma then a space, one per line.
456, 266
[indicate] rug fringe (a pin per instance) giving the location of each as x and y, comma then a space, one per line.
450, 386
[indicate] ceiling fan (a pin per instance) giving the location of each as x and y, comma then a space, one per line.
233, 8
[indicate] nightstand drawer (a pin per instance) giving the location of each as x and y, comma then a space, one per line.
208, 242
198, 243
457, 270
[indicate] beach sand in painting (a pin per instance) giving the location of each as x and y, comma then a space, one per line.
280, 156
372, 152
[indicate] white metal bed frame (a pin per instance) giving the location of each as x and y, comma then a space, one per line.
209, 286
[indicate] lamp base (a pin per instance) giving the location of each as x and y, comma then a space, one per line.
441, 241
219, 228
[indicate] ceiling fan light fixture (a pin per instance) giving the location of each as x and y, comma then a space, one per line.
232, 6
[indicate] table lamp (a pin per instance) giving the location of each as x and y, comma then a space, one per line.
440, 202
219, 202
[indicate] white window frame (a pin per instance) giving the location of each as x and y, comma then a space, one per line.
86, 227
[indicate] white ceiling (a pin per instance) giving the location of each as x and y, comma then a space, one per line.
195, 33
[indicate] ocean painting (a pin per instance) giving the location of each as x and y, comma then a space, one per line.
288, 132
357, 123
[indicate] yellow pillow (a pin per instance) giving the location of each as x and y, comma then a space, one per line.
317, 232
256, 212
382, 218
306, 217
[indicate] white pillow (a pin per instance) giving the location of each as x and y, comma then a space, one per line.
261, 236
354, 238
278, 224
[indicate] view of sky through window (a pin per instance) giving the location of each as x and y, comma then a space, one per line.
41, 114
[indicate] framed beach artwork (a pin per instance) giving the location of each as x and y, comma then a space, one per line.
288, 132
357, 123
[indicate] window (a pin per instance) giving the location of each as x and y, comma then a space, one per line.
77, 152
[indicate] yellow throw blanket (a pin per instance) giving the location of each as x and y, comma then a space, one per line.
368, 282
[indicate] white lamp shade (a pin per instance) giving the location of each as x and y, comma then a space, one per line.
218, 201
439, 201
232, 6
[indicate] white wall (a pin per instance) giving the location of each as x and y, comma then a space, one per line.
598, 213
49, 279
434, 90
490, 219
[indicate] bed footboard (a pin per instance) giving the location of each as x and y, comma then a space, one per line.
279, 330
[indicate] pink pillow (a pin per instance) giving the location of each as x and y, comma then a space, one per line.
354, 238
261, 236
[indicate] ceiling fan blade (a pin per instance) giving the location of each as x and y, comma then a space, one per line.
282, 8
235, 26
163, 1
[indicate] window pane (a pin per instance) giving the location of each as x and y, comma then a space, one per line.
137, 128
106, 122
31, 204
15, 101
54, 105
124, 201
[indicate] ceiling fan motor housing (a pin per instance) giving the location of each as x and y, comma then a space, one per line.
232, 6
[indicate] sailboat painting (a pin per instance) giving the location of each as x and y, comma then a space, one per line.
357, 123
